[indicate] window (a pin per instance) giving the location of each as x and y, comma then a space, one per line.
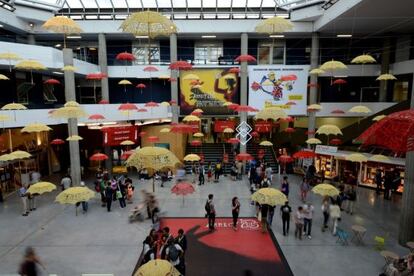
271, 53
208, 52
140, 51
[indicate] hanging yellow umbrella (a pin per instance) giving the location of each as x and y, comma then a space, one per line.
314, 107
127, 143
62, 24
4, 118
14, 106
228, 130
74, 195
271, 113
69, 68
71, 104
41, 187
360, 109
363, 59
385, 77
332, 65
191, 118
191, 77
20, 154
71, 109
153, 158
3, 77
198, 134
274, 25
198, 110
35, 127
325, 189
266, 143
157, 267
9, 57
329, 129
313, 141
165, 104
164, 77
7, 157
124, 82
356, 157
379, 158
192, 157
316, 71
269, 196
31, 65
74, 138
379, 118
165, 130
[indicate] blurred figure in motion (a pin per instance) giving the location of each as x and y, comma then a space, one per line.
29, 265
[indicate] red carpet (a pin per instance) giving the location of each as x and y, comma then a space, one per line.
247, 251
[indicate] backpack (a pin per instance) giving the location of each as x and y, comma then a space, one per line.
173, 253
218, 166
207, 207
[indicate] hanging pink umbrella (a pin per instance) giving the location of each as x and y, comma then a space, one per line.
96, 117
142, 133
142, 110
98, 157
172, 102
103, 102
289, 130
245, 58
196, 143
285, 159
141, 86
57, 142
244, 157
127, 107
151, 104
235, 70
245, 108
126, 154
304, 154
233, 141
288, 119
337, 111
335, 142
150, 69
339, 81
255, 134
183, 189
52, 82
95, 77
153, 139
180, 65
125, 56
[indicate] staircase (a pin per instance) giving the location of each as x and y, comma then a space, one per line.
269, 156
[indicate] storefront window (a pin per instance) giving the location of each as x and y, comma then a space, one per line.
271, 53
141, 54
208, 53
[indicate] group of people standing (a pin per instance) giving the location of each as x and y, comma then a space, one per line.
200, 170
28, 199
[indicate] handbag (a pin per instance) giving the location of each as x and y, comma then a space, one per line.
118, 193
259, 216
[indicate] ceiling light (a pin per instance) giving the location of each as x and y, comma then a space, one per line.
253, 16
239, 16
180, 16
208, 36
209, 16
276, 36
31, 25
57, 73
344, 35
73, 37
1, 26
105, 17
91, 17
194, 16
92, 48
141, 36
223, 16
58, 45
121, 16
78, 48
283, 15
265, 16
76, 17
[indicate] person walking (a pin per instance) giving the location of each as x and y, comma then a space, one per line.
209, 171
270, 215
352, 197
181, 240
308, 211
264, 210
299, 222
265, 182
29, 265
23, 197
285, 186
378, 180
235, 210
66, 182
211, 212
201, 174
130, 192
108, 195
239, 166
217, 171
285, 211
304, 189
388, 179
269, 172
84, 203
325, 212
335, 214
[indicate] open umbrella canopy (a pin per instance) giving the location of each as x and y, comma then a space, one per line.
288, 119
96, 117
191, 77
14, 106
289, 130
228, 130
41, 187
98, 157
69, 110
379, 158
182, 188
165, 104
71, 104
154, 158
74, 195
316, 71
392, 132
245, 108
314, 107
385, 77
125, 56
191, 118
356, 157
180, 65
304, 154
266, 143
4, 77
285, 159
339, 81
148, 23
335, 141
142, 133
74, 138
234, 70
313, 141
245, 58
35, 127
329, 129
51, 81
103, 102
360, 109
62, 24
274, 25
244, 157
69, 68
233, 141
333, 65
20, 154
269, 196
127, 143
150, 69
255, 134
96, 76
379, 118
271, 113
196, 143
192, 157
30, 65
337, 111
363, 59
127, 107
126, 154
57, 142
325, 189
198, 134
153, 139
165, 130
7, 157
124, 82
141, 86
151, 104
157, 267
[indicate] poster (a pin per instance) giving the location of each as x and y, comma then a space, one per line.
220, 125
208, 89
284, 86
113, 136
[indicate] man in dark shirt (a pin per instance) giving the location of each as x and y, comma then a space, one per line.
285, 211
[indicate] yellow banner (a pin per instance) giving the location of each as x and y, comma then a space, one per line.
296, 97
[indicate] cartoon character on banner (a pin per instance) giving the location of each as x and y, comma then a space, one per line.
269, 84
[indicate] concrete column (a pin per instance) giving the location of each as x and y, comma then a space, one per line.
406, 229
70, 95
103, 67
385, 67
243, 83
31, 39
313, 91
174, 74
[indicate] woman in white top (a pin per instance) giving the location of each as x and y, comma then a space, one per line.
299, 222
335, 214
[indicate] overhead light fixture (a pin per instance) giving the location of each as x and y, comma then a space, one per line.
31, 25
209, 16
194, 16
276, 36
283, 15
1, 25
89, 17
266, 16
239, 16
180, 16
105, 17
73, 37
223, 16
76, 17
57, 73
121, 16
141, 36
253, 16
58, 45
78, 48
344, 35
92, 48
208, 36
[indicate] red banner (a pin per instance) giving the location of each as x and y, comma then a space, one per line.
220, 125
113, 136
263, 127
195, 125
225, 158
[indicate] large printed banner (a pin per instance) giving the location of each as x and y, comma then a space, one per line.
284, 86
113, 136
208, 89
220, 125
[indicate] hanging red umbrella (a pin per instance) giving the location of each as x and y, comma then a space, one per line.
141, 86
303, 154
335, 142
196, 113
233, 106
196, 143
234, 70
312, 85
180, 65
288, 78
288, 119
244, 157
125, 56
142, 110
290, 103
103, 102
233, 141
337, 111
339, 81
182, 128
57, 142
289, 130
127, 107
142, 133
245, 58
153, 139
151, 104
126, 154
172, 79
285, 159
52, 81
310, 132
255, 134
150, 69
96, 76
98, 157
245, 108
96, 117
172, 102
